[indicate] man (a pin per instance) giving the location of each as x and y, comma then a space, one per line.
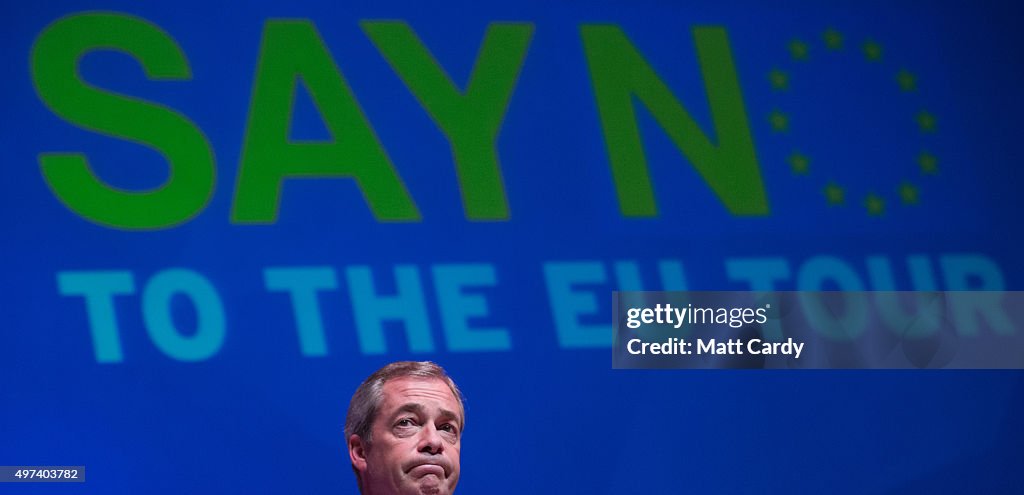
404, 431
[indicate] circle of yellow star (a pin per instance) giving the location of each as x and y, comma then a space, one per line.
907, 193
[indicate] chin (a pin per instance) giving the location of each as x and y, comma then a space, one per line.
433, 488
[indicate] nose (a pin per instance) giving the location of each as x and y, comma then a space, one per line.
430, 440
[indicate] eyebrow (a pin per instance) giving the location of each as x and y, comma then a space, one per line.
418, 409
410, 407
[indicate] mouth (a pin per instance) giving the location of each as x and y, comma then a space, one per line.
426, 469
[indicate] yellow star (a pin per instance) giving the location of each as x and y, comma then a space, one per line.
925, 121
908, 193
874, 204
779, 121
798, 50
834, 194
872, 51
833, 39
928, 163
779, 79
906, 80
799, 163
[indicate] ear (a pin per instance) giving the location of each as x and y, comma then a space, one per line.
357, 452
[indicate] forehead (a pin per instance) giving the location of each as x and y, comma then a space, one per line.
431, 393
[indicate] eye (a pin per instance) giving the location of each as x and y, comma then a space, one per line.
405, 422
450, 428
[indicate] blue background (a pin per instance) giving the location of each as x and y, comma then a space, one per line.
259, 417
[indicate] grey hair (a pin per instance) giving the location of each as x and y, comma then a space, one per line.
363, 408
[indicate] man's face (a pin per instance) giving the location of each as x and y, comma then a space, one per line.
415, 441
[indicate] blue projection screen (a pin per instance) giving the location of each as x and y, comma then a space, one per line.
220, 218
